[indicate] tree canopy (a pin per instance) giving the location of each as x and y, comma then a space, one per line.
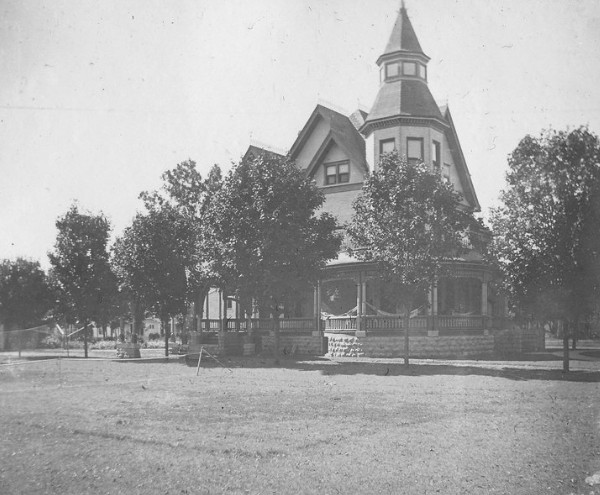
408, 221
161, 258
25, 296
150, 266
546, 230
80, 266
267, 240
190, 197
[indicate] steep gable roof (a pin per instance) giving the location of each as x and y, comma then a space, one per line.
459, 159
341, 130
255, 151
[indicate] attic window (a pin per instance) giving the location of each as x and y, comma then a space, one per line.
409, 69
392, 70
422, 71
337, 173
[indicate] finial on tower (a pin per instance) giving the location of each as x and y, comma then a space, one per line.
402, 5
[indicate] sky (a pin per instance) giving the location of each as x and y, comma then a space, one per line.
99, 98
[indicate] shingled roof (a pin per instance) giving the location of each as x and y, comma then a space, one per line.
403, 37
404, 98
342, 131
254, 151
459, 158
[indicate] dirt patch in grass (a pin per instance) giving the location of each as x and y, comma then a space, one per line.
307, 426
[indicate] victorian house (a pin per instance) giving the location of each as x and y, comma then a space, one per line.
337, 151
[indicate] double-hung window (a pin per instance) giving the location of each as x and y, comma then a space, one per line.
387, 146
414, 149
337, 173
435, 155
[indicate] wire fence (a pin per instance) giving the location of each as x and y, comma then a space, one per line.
36, 375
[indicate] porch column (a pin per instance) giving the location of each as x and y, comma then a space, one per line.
484, 298
206, 312
359, 303
317, 306
363, 310
221, 295
433, 310
484, 306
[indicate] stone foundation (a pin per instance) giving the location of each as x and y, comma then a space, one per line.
312, 345
419, 346
238, 344
518, 340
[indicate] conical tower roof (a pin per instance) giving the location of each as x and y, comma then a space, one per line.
403, 37
404, 91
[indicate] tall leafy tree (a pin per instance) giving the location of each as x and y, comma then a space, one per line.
80, 267
25, 296
151, 267
268, 243
190, 196
409, 222
547, 228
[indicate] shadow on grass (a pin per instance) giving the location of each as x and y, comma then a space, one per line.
389, 369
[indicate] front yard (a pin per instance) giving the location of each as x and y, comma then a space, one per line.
314, 426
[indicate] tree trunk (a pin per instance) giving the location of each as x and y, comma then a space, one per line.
275, 316
164, 322
19, 340
406, 332
565, 346
406, 340
575, 333
85, 340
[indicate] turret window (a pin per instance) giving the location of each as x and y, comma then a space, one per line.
392, 70
422, 71
409, 69
337, 173
414, 149
387, 146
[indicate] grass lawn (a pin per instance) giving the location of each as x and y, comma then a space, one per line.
316, 426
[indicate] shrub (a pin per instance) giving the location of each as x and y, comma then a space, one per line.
103, 345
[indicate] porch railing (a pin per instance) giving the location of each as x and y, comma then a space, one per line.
286, 325
391, 323
442, 323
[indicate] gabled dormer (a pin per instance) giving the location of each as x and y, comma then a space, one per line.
331, 151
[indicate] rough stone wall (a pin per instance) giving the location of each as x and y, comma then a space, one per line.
231, 343
393, 346
517, 340
301, 344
